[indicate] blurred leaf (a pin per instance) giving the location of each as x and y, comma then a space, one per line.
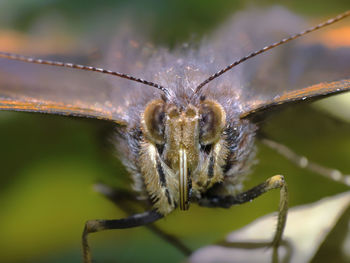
307, 228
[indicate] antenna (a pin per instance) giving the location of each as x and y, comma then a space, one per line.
283, 41
81, 67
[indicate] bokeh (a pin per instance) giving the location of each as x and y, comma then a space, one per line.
50, 163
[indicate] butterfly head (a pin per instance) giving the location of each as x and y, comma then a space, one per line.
179, 149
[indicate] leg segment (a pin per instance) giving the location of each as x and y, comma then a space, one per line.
93, 226
303, 162
123, 199
274, 182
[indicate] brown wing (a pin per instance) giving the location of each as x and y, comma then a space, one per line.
310, 93
75, 92
295, 70
301, 63
39, 88
52, 107
299, 66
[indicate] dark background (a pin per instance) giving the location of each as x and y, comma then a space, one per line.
49, 163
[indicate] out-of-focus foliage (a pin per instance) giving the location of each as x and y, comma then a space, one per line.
308, 228
49, 163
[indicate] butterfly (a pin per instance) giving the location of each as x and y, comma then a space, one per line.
185, 133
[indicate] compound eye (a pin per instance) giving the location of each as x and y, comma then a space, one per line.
153, 121
212, 122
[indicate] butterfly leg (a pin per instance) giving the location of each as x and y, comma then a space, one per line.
123, 199
98, 225
274, 182
303, 162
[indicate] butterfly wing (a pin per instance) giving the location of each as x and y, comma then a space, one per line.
15, 103
255, 83
314, 71
311, 71
40, 88
307, 94
283, 72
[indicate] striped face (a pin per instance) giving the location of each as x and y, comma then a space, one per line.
184, 151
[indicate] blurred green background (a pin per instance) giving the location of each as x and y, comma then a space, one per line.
49, 163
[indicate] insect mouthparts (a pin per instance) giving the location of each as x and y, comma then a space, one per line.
183, 180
